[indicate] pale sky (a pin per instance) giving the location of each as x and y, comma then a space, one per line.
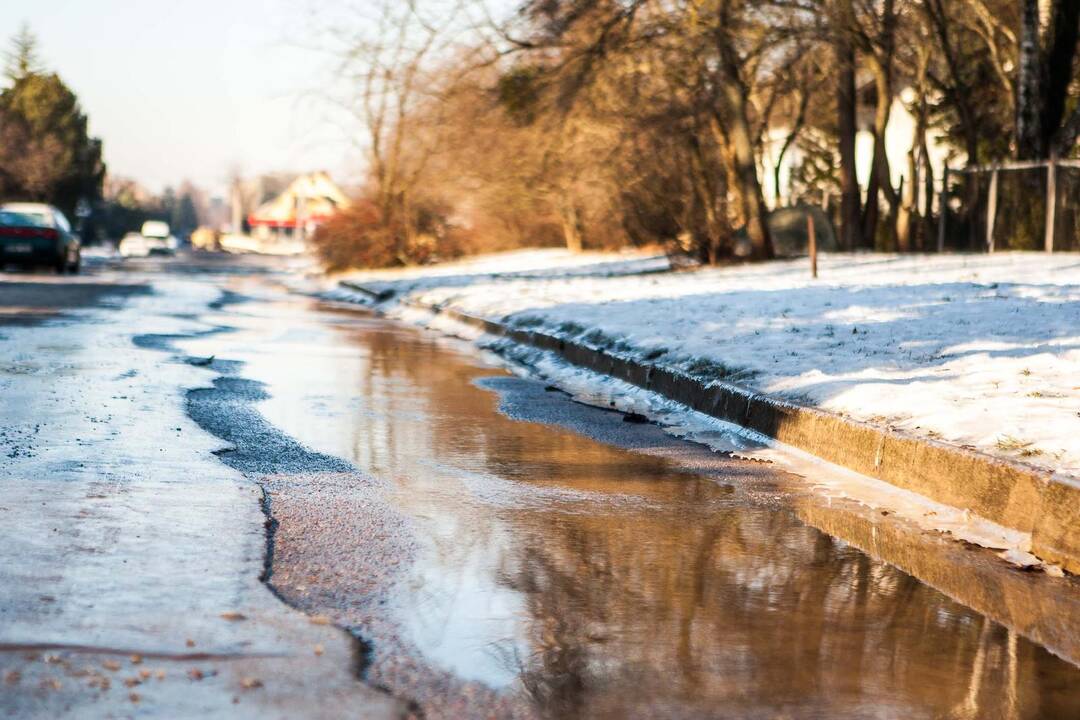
190, 88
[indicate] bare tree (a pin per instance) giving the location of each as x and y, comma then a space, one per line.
387, 59
1048, 46
843, 24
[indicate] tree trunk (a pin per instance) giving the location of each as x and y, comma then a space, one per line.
571, 225
1062, 35
872, 208
1029, 85
909, 195
735, 117
881, 177
757, 225
928, 195
745, 177
791, 137
908, 226
850, 197
707, 198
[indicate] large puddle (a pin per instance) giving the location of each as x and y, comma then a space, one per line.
599, 581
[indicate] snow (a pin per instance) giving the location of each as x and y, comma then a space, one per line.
977, 350
546, 263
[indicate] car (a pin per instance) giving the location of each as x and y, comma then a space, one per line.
154, 239
133, 245
159, 239
38, 234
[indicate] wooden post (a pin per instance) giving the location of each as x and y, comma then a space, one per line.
943, 208
1051, 203
811, 237
991, 210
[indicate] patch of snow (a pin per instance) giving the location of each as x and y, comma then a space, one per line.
548, 263
976, 350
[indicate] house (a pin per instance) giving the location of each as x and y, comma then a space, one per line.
778, 184
295, 213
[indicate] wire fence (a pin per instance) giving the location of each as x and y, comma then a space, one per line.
1011, 206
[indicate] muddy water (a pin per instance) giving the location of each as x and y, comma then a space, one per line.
579, 578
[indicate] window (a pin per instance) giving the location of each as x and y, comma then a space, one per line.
62, 221
24, 219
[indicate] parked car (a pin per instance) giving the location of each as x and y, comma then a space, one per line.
133, 245
155, 239
159, 239
37, 234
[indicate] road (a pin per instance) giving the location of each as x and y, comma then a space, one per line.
222, 497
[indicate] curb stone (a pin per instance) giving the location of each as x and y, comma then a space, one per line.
1018, 496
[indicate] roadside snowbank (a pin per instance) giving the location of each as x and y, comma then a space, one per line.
545, 263
981, 351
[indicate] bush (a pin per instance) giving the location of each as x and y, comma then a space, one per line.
360, 237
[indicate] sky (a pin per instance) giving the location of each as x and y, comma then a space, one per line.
195, 88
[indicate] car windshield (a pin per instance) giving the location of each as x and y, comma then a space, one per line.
9, 218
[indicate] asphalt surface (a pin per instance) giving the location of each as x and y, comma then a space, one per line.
221, 498
130, 557
31, 299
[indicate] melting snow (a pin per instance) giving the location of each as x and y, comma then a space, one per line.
978, 350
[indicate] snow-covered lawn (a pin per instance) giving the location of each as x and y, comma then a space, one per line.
981, 351
546, 263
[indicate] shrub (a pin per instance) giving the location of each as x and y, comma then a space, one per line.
361, 237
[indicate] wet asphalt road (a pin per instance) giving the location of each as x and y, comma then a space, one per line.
406, 528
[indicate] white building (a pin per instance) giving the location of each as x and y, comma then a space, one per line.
899, 139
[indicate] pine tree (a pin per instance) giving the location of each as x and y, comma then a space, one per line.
22, 60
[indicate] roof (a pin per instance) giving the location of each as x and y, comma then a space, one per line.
309, 198
25, 207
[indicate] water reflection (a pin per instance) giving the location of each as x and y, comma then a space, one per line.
598, 582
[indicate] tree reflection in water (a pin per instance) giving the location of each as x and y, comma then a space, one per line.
594, 581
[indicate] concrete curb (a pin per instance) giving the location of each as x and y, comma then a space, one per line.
1012, 494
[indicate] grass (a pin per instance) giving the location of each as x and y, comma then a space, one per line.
1008, 443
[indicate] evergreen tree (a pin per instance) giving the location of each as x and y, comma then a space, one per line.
22, 59
46, 153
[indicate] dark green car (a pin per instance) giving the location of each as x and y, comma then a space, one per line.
33, 234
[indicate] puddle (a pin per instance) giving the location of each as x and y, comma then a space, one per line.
587, 579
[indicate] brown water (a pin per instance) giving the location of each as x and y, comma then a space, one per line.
583, 579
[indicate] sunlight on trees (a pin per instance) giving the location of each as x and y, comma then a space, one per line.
684, 123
